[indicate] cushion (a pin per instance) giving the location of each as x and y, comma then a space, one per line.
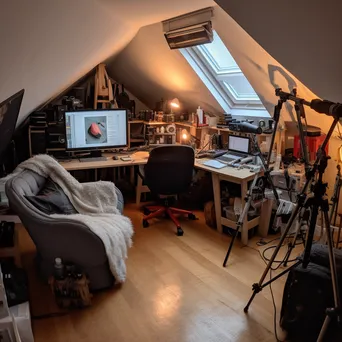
51, 199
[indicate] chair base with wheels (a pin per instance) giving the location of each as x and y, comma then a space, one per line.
157, 210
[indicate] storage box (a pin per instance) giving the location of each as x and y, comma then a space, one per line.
229, 213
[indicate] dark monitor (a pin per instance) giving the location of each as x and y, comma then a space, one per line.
9, 112
96, 130
238, 144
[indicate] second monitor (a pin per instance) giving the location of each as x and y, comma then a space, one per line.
96, 130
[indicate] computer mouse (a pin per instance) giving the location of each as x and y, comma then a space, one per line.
94, 130
115, 158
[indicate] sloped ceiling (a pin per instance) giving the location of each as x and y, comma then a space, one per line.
47, 45
152, 71
304, 36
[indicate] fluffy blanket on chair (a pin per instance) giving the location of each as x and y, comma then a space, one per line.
96, 204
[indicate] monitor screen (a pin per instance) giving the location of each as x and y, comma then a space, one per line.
238, 144
96, 129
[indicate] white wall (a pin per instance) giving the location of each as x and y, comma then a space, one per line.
304, 36
46, 45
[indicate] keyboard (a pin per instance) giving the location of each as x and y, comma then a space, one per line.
211, 154
229, 157
92, 159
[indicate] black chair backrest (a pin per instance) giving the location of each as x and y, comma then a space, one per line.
169, 169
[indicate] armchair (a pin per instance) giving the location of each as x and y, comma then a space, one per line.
72, 241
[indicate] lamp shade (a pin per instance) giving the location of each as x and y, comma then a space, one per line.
185, 136
175, 103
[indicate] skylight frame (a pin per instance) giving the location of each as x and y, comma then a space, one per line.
219, 80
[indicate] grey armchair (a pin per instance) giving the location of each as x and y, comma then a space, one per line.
72, 241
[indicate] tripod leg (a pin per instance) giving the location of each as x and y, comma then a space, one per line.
310, 235
231, 245
292, 244
337, 202
338, 235
333, 271
238, 226
257, 287
242, 217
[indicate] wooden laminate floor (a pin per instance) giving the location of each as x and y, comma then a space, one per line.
176, 290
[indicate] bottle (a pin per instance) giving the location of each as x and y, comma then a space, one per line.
162, 129
277, 162
59, 269
263, 147
200, 115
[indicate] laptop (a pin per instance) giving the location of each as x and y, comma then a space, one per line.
238, 148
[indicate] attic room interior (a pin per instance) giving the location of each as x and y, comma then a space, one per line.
170, 171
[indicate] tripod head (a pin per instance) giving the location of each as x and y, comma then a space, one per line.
288, 96
320, 106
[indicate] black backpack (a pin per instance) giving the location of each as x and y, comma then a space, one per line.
307, 294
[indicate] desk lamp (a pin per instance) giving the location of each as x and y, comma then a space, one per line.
188, 139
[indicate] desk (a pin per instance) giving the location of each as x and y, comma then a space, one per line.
241, 177
137, 159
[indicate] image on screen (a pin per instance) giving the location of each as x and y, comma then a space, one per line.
238, 144
96, 129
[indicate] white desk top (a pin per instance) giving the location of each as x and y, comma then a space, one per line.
235, 174
138, 158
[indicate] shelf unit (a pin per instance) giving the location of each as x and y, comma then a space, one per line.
38, 143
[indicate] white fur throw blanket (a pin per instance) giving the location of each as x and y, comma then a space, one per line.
96, 206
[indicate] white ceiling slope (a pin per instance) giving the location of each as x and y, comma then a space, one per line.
46, 45
152, 71
304, 36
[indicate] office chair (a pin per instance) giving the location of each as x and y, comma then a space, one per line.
168, 172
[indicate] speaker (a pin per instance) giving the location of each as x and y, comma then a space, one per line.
38, 118
55, 136
37, 141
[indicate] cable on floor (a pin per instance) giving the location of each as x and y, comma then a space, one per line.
50, 315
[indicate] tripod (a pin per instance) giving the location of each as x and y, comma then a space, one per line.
336, 196
315, 201
249, 197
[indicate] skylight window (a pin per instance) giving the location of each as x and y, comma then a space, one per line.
217, 68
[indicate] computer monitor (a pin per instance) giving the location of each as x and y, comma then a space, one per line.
96, 130
238, 144
9, 111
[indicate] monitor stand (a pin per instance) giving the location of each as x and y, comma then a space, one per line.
93, 156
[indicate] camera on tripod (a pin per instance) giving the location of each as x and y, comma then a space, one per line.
243, 126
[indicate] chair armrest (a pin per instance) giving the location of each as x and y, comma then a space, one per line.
72, 241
